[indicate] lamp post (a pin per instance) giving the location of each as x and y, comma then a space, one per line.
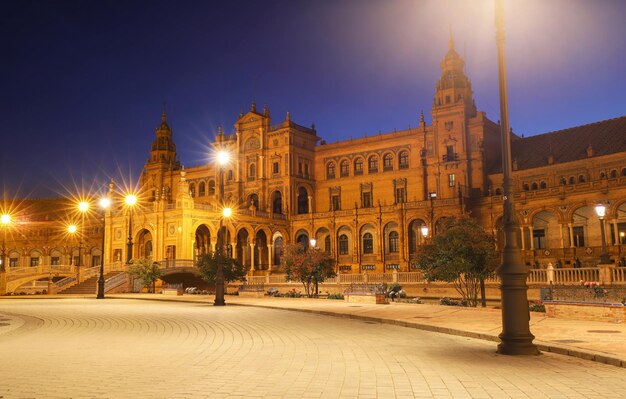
5, 220
601, 212
104, 205
223, 157
72, 230
621, 237
432, 196
130, 200
83, 206
515, 337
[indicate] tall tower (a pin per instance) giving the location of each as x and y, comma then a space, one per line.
163, 159
453, 89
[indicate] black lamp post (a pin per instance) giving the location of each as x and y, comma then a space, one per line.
223, 157
5, 220
515, 337
104, 204
130, 201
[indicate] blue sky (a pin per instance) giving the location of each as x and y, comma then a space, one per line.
84, 82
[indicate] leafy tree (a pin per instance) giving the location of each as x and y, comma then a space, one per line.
233, 270
463, 254
145, 270
308, 266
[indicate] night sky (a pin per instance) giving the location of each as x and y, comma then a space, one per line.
82, 83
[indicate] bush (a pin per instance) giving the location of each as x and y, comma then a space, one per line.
335, 296
452, 302
537, 307
292, 294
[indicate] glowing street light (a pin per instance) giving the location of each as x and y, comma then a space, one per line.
223, 157
601, 212
83, 207
72, 229
312, 241
227, 212
104, 203
219, 275
424, 230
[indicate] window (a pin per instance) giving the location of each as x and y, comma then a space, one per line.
358, 166
372, 164
562, 181
388, 162
498, 191
76, 260
403, 160
539, 238
95, 260
34, 261
201, 189
303, 201
192, 190
330, 171
300, 168
581, 179
327, 245
55, 261
400, 195
344, 168
579, 236
526, 187
275, 168
447, 99
393, 241
450, 155
534, 186
451, 180
623, 171
613, 174
343, 244
335, 202
368, 243
366, 199
212, 187
306, 169
572, 180
543, 185
13, 262
252, 172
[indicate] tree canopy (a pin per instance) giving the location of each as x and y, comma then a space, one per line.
233, 270
308, 266
463, 254
145, 270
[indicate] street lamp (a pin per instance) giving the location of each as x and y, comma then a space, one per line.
515, 337
5, 220
601, 212
621, 237
72, 230
83, 206
130, 200
223, 158
105, 203
313, 241
424, 230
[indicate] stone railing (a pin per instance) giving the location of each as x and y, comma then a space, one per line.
115, 282
14, 273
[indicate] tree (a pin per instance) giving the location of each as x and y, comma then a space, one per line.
145, 270
308, 266
233, 270
463, 254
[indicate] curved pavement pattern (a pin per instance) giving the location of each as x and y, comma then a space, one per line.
84, 348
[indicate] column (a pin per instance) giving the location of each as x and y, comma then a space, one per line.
616, 233
270, 256
309, 199
562, 238
571, 235
532, 241
521, 228
251, 256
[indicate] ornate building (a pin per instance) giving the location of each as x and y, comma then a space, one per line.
364, 200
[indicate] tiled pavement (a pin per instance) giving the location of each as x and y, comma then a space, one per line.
85, 348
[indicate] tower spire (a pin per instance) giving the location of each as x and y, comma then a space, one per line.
451, 41
163, 115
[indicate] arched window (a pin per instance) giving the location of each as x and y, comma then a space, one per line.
211, 187
613, 174
393, 242
534, 186
403, 160
343, 244
581, 178
252, 172
602, 175
253, 200
388, 162
498, 191
563, 181
572, 180
303, 201
303, 239
201, 189
372, 164
543, 185
277, 203
358, 166
278, 250
327, 244
526, 188
192, 190
368, 243
330, 172
344, 168
623, 171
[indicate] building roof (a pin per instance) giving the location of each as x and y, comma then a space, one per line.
567, 145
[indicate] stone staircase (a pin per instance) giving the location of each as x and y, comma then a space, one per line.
87, 287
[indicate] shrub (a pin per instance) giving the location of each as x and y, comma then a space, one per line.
537, 307
452, 302
335, 296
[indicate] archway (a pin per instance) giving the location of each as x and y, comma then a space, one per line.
143, 246
322, 236
392, 239
279, 246
243, 247
415, 236
253, 201
203, 240
277, 203
261, 255
546, 230
302, 238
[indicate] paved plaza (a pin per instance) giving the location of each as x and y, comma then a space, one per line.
122, 348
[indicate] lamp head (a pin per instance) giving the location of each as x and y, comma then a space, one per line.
83, 206
223, 157
71, 228
600, 210
312, 241
227, 212
424, 230
130, 199
5, 219
105, 202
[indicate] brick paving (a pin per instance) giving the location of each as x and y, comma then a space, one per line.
122, 348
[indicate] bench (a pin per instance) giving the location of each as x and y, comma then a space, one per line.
366, 293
